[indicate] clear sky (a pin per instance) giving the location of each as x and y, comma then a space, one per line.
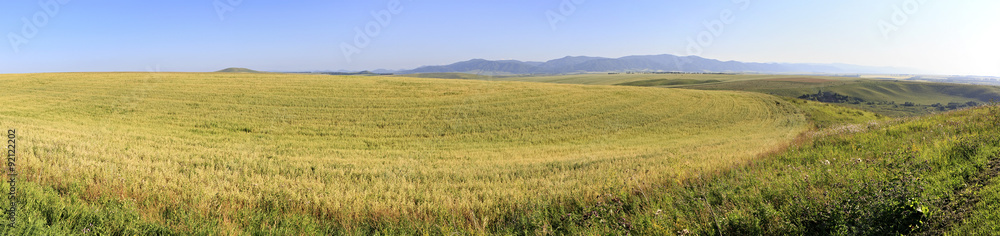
948, 37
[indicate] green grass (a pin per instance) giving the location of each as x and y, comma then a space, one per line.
871, 179
984, 219
48, 211
226, 153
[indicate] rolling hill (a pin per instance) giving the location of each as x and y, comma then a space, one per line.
234, 153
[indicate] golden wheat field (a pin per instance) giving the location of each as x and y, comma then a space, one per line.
350, 149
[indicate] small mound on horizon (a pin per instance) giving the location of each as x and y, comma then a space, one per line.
238, 70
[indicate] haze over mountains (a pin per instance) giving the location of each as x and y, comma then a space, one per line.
649, 63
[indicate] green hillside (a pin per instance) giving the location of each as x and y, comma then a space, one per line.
887, 97
932, 175
875, 90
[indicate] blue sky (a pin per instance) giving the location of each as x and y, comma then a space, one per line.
947, 37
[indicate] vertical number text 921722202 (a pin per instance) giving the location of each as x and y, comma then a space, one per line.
12, 174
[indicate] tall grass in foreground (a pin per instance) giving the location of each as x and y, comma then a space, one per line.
933, 175
216, 153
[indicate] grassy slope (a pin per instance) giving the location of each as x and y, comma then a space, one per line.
290, 154
824, 115
876, 178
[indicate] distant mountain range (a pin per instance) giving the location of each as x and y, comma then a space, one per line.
651, 63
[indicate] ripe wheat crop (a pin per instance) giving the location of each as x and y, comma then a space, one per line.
215, 151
